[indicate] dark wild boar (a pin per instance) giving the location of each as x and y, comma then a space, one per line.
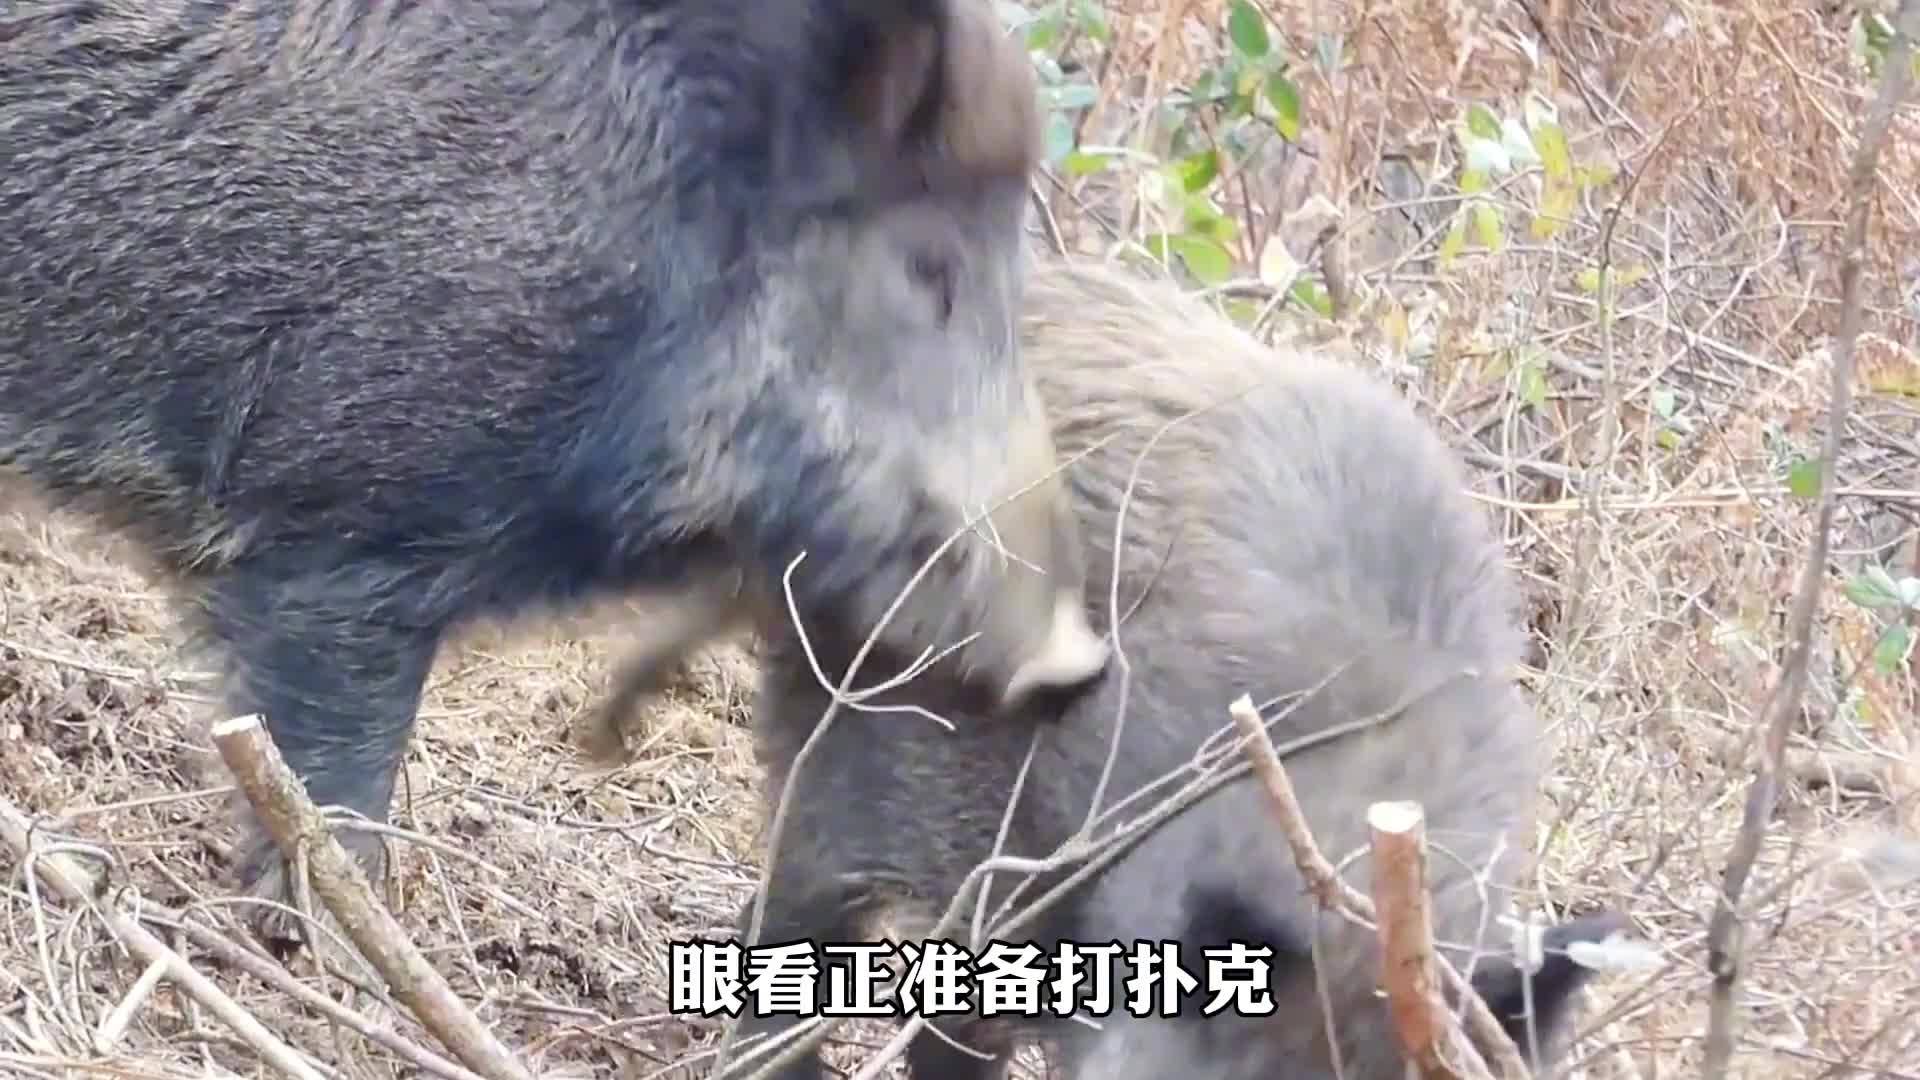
1301, 536
367, 320
700, 609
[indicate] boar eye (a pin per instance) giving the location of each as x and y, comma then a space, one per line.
936, 275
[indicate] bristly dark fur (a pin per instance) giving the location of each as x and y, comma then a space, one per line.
1297, 533
368, 319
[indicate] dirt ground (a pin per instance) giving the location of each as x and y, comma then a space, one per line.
1661, 616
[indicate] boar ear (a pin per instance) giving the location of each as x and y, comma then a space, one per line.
937, 92
892, 80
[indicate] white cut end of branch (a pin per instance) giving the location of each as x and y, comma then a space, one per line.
1395, 817
235, 725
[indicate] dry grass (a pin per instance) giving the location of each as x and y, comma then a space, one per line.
1660, 609
586, 877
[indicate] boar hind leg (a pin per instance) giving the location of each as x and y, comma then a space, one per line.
673, 624
335, 658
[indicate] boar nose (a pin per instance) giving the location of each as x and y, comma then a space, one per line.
1070, 655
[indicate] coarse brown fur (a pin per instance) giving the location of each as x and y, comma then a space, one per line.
1294, 532
369, 320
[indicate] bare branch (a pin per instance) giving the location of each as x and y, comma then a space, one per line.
281, 979
1723, 931
1501, 1055
281, 803
1428, 1037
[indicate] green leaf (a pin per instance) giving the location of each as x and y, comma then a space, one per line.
1551, 144
1663, 402
1668, 438
1042, 33
1309, 294
1803, 478
1592, 176
1486, 223
1874, 589
1456, 240
1206, 260
1533, 383
1244, 312
1248, 29
1082, 163
1285, 98
1623, 277
1876, 31
1092, 19
1196, 171
1472, 181
1891, 650
1202, 218
1589, 279
1557, 203
1482, 122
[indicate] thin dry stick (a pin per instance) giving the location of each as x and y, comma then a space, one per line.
1848, 772
76, 886
1335, 894
279, 978
1723, 931
1430, 1040
108, 1034
280, 801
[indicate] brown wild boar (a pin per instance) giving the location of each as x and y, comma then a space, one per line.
1294, 531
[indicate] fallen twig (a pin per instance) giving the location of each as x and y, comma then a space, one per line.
281, 979
1501, 1055
115, 1023
75, 885
281, 804
1723, 930
1846, 772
